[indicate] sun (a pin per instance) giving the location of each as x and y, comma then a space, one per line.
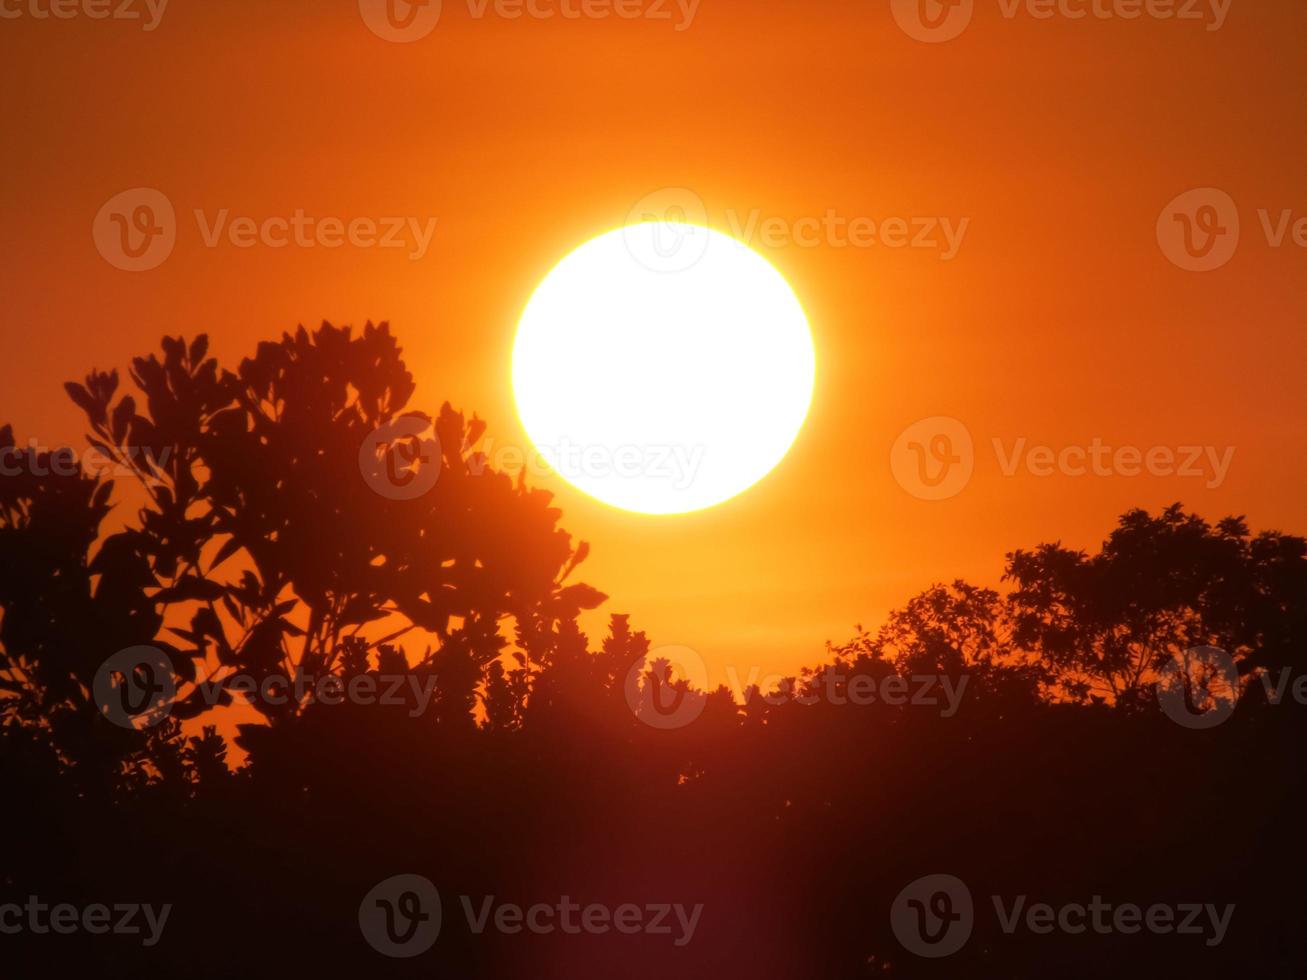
663, 367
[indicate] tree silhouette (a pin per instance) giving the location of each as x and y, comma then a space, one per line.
261, 550
296, 518
1160, 585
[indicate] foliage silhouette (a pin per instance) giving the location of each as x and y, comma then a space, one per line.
262, 546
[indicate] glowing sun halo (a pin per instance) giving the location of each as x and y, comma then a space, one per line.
663, 368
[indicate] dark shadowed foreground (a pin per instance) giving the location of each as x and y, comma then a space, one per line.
1097, 770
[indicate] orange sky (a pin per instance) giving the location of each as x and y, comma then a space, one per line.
1059, 320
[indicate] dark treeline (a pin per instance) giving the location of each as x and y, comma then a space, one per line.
275, 535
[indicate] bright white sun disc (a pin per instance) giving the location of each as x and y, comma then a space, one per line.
663, 368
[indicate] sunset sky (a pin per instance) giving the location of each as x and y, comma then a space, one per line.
1049, 145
